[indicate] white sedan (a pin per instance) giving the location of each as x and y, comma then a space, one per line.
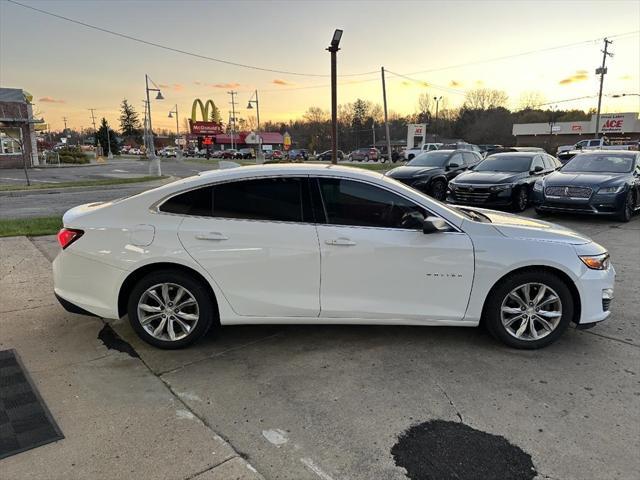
323, 244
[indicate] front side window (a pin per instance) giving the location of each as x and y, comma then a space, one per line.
278, 199
10, 139
354, 203
457, 159
537, 162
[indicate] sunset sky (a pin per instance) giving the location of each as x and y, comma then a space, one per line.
444, 46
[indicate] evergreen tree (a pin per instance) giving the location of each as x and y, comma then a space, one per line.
214, 115
129, 122
101, 138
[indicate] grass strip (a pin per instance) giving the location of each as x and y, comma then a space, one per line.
30, 226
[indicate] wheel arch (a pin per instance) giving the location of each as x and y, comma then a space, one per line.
575, 294
136, 275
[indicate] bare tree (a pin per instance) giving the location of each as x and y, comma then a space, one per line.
531, 99
485, 98
315, 115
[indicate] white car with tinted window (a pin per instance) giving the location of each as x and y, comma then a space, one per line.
319, 244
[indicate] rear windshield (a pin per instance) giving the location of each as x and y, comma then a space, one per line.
504, 163
604, 162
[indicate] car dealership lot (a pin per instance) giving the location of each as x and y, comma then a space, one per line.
330, 401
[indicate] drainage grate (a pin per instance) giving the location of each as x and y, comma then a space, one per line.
25, 421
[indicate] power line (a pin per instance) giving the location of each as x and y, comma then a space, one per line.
177, 50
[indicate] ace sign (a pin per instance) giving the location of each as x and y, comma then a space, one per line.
618, 123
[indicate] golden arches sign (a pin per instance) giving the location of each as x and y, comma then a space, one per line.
204, 110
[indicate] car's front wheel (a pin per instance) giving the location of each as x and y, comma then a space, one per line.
170, 309
520, 200
626, 212
439, 190
529, 309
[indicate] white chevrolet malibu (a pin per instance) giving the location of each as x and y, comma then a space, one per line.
323, 244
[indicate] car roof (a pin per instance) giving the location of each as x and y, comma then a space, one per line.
514, 154
625, 152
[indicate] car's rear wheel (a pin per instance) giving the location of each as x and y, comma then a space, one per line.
626, 212
520, 200
529, 310
439, 189
170, 309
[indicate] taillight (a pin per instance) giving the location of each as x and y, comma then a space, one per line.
67, 236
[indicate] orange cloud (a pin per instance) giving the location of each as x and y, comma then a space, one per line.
51, 100
197, 82
579, 76
224, 85
455, 83
279, 81
178, 87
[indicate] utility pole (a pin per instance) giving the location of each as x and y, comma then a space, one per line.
65, 123
233, 115
435, 123
602, 71
144, 126
386, 116
109, 155
93, 118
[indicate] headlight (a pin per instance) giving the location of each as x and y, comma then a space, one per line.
596, 262
499, 188
452, 186
537, 187
617, 189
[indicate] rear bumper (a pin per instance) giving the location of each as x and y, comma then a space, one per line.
87, 286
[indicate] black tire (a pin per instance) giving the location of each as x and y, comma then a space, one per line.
492, 311
626, 212
411, 156
438, 189
206, 307
520, 200
366, 158
540, 212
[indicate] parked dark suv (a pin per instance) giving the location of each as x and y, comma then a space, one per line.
430, 172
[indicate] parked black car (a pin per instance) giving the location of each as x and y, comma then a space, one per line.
602, 182
327, 155
430, 172
502, 179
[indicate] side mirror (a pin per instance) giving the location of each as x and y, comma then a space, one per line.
434, 225
452, 166
537, 169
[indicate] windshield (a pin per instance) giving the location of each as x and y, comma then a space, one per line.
604, 162
504, 163
430, 159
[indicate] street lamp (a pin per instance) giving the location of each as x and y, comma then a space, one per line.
154, 162
333, 48
171, 112
109, 155
249, 107
435, 123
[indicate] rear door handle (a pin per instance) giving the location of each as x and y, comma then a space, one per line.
211, 236
340, 241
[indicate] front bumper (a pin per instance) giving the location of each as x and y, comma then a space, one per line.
596, 204
596, 290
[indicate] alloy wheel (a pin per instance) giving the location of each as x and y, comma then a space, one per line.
168, 311
531, 311
523, 199
439, 190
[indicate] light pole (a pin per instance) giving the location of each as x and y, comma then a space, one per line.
333, 48
435, 123
249, 107
154, 162
171, 112
109, 155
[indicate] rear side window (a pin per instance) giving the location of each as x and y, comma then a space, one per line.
355, 203
275, 199
196, 202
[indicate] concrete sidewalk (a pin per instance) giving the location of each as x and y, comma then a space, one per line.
120, 420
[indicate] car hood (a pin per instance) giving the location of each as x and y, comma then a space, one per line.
561, 178
409, 171
516, 226
488, 178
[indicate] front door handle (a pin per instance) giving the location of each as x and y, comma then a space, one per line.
211, 236
340, 241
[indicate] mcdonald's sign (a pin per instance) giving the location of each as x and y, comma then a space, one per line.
204, 126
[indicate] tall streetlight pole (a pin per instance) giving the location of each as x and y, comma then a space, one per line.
109, 155
154, 162
435, 123
171, 112
602, 71
333, 48
250, 106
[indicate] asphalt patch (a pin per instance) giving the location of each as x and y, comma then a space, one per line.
112, 341
443, 450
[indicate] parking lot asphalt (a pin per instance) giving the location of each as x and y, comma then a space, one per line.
331, 402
